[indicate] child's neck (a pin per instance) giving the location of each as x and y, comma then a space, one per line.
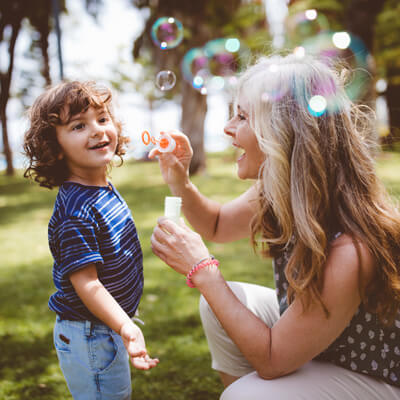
89, 180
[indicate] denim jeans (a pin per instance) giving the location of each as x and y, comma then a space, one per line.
93, 360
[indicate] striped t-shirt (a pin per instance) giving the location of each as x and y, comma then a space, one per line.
93, 224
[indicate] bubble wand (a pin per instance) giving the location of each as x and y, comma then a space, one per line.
164, 143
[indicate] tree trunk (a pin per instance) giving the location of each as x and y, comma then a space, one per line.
194, 109
44, 48
6, 146
5, 82
360, 19
393, 101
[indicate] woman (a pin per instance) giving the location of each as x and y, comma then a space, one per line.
318, 208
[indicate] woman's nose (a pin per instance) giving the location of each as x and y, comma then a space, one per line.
229, 128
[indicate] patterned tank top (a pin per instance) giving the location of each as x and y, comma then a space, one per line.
365, 346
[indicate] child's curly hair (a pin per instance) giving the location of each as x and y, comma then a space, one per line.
55, 107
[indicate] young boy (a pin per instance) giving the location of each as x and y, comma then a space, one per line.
98, 273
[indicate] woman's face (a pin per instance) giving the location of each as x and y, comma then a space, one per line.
243, 137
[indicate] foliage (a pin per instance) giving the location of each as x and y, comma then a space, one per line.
388, 41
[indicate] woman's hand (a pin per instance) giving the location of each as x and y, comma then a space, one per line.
177, 245
175, 165
133, 339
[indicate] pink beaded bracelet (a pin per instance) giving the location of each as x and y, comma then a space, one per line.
201, 264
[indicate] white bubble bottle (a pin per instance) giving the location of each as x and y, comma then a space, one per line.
172, 208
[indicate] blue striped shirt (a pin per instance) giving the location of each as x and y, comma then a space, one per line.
92, 224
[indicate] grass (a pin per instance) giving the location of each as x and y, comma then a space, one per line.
173, 332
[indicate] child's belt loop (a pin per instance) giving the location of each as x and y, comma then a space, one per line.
88, 328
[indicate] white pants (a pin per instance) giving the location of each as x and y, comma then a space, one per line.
316, 380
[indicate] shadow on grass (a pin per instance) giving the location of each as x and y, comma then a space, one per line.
20, 198
28, 287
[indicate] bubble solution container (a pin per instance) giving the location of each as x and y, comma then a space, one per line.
172, 208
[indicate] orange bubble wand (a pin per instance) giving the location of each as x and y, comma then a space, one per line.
164, 143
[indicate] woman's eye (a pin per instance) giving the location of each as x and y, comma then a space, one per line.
102, 120
241, 117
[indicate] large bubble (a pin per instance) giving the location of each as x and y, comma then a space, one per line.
305, 24
214, 66
167, 33
343, 49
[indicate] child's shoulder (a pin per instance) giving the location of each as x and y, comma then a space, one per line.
75, 200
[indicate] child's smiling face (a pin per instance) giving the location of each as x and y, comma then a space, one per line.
88, 143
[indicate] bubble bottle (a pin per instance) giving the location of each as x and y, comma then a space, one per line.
172, 208
164, 143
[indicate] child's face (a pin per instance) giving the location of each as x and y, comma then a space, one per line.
88, 142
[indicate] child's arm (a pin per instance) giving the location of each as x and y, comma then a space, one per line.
101, 304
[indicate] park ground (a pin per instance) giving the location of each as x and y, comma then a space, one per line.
28, 362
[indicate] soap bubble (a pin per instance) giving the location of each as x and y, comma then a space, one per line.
212, 67
341, 40
222, 60
317, 105
305, 24
167, 33
352, 50
195, 68
165, 80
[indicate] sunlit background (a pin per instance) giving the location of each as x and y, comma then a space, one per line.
97, 42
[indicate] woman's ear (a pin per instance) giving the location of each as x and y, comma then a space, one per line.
60, 155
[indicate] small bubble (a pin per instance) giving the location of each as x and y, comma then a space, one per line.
311, 14
167, 33
381, 85
341, 40
232, 45
317, 105
165, 80
299, 52
198, 82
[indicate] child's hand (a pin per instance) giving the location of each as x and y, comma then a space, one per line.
134, 343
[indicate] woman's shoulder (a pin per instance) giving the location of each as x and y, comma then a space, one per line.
353, 256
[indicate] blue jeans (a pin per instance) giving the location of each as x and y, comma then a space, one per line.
93, 360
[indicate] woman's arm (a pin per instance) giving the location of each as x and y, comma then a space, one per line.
299, 335
213, 221
101, 304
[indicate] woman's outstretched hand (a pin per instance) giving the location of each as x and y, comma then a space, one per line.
175, 165
177, 245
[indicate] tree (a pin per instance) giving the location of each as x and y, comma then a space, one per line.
202, 21
388, 57
39, 15
12, 15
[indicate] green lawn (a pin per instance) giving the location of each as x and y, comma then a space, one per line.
28, 362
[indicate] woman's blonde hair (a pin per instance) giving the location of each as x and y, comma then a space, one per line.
318, 177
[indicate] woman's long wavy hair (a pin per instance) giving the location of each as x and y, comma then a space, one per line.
55, 107
319, 178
